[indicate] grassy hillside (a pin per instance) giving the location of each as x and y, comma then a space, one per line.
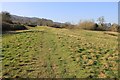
61, 53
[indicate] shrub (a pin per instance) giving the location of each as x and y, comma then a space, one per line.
32, 25
6, 26
67, 25
10, 27
101, 27
18, 27
114, 27
55, 25
87, 25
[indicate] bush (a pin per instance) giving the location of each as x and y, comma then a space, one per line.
6, 26
32, 25
114, 27
10, 27
101, 27
87, 25
19, 27
67, 25
55, 25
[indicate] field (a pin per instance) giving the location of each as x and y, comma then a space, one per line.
44, 52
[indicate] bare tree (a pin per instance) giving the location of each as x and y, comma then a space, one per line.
101, 20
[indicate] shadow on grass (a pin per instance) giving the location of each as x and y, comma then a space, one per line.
21, 31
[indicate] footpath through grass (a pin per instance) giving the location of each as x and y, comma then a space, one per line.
45, 52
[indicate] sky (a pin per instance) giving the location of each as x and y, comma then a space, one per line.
64, 11
59, 0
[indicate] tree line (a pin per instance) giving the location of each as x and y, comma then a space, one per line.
8, 25
13, 22
100, 26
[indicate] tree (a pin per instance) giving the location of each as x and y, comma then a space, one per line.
6, 17
101, 20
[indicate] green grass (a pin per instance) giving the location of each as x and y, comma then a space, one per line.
45, 52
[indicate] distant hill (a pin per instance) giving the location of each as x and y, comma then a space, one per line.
33, 20
14, 22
